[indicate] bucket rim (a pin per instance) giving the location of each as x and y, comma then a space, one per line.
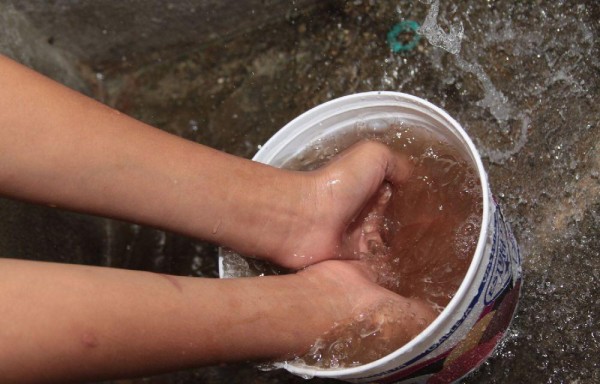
299, 124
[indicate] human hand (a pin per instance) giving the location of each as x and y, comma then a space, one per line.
343, 211
374, 321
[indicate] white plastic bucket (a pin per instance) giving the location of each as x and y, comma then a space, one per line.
477, 317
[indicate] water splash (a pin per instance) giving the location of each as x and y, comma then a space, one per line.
493, 100
436, 36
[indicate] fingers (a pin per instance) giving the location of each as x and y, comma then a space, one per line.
364, 235
371, 155
373, 224
399, 167
353, 192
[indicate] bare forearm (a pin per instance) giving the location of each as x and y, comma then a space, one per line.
79, 323
60, 148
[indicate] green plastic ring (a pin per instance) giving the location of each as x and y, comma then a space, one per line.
403, 26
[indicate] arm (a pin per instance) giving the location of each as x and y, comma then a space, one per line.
68, 322
60, 148
63, 323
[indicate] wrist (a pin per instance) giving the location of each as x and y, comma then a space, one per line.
289, 312
297, 222
285, 214
260, 210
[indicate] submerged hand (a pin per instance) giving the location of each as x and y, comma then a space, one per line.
371, 321
343, 212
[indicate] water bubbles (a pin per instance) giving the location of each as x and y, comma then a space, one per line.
340, 350
435, 306
367, 337
378, 124
370, 329
430, 152
422, 322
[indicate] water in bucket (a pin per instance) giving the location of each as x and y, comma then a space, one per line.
430, 231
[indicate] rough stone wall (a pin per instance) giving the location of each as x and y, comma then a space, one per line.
21, 40
106, 30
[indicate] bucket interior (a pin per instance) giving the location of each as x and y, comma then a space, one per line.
341, 123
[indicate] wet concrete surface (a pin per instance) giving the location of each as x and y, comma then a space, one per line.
523, 78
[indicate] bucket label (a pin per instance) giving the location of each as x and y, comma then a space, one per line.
504, 256
482, 324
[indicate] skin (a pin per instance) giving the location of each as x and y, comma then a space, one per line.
64, 323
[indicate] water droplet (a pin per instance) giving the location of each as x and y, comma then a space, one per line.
216, 227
